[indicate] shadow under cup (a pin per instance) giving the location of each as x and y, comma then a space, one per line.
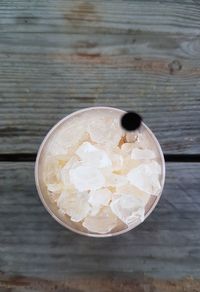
51, 206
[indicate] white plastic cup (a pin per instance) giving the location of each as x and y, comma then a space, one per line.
52, 208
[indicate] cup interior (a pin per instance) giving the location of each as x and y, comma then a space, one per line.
52, 207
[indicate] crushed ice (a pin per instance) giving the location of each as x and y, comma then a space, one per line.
128, 209
99, 176
146, 177
86, 177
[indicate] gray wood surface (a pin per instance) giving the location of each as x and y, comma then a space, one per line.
166, 245
60, 56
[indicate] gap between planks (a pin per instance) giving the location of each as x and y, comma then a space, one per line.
30, 157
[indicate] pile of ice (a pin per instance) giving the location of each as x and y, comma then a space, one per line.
100, 176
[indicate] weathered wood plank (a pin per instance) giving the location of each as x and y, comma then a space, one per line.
110, 283
37, 90
57, 57
100, 16
165, 246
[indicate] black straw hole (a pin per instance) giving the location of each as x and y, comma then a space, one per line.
131, 121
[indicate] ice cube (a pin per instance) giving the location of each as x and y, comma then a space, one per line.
114, 180
102, 223
94, 210
85, 148
127, 148
143, 140
146, 177
62, 201
115, 155
54, 188
106, 130
100, 197
134, 191
128, 209
139, 154
73, 132
94, 156
86, 177
69, 136
129, 164
54, 191
74, 205
155, 167
132, 137
72, 163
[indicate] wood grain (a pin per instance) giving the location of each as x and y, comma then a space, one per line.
166, 245
110, 283
57, 57
100, 16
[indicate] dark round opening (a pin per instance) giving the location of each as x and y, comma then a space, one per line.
131, 121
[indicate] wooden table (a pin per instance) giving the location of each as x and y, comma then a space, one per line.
60, 56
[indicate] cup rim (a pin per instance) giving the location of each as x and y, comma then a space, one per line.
36, 171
